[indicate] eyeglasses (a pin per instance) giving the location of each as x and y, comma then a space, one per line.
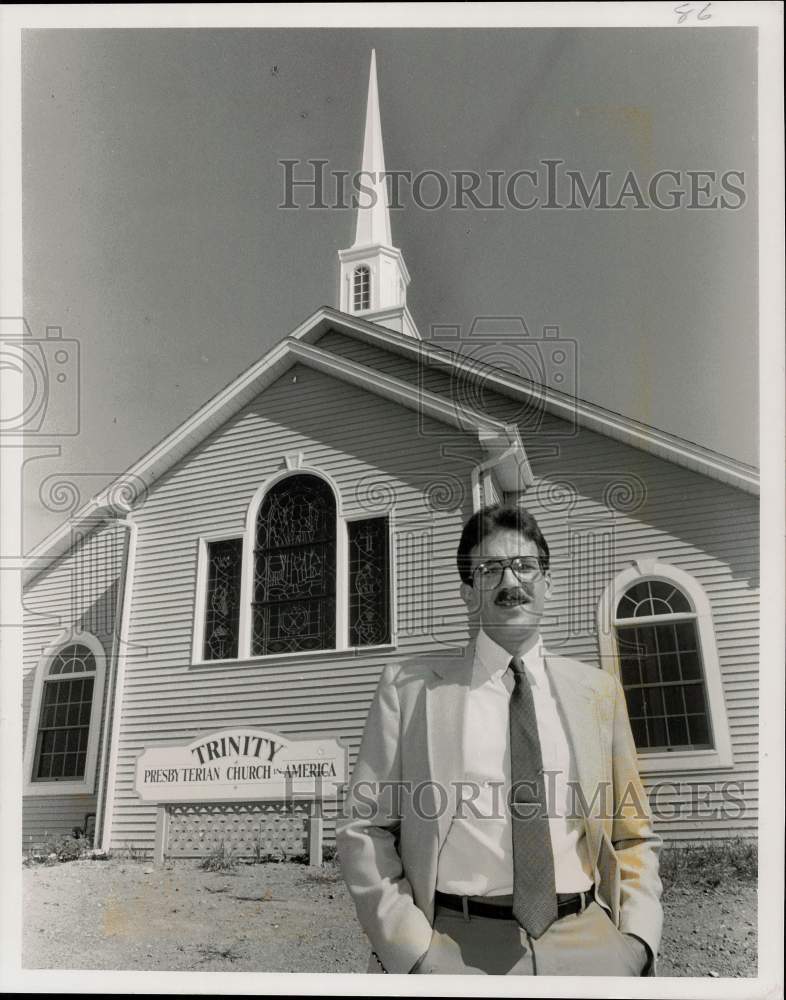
525, 568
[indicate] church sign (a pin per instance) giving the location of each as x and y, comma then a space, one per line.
242, 764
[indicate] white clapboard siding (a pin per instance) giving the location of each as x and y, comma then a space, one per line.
45, 819
370, 446
79, 591
381, 456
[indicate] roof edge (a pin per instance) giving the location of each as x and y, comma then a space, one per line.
120, 496
228, 400
593, 416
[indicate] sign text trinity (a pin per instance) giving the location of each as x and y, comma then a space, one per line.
241, 764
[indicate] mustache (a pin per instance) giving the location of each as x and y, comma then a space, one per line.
513, 593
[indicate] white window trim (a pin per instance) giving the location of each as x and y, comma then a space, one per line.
86, 785
248, 535
650, 568
200, 603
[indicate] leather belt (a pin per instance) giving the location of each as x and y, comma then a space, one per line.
567, 903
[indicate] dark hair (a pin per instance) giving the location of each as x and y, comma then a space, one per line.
497, 518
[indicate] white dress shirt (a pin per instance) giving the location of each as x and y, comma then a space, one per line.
477, 856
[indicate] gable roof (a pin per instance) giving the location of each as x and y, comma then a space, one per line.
500, 441
560, 404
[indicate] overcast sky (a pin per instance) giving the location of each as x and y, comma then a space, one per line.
153, 236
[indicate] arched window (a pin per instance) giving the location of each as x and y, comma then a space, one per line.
656, 632
294, 599
661, 668
305, 578
361, 288
64, 721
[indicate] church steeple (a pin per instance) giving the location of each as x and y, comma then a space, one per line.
373, 276
373, 222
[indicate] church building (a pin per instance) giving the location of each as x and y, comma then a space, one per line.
246, 581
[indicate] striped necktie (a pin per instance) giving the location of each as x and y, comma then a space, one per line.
534, 892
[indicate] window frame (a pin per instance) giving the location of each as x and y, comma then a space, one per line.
200, 606
248, 535
361, 269
720, 756
369, 515
326, 595
68, 786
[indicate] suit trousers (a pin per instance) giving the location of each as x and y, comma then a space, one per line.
579, 944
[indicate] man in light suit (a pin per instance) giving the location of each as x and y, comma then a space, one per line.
495, 822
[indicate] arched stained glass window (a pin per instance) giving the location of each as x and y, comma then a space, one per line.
66, 705
294, 598
361, 288
661, 668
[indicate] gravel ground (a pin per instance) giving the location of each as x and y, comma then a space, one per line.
287, 917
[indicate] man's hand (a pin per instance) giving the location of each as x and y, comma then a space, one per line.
443, 956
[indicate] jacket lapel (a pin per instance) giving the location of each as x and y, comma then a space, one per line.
578, 704
446, 695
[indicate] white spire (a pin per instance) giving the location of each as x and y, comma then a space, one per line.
373, 221
373, 277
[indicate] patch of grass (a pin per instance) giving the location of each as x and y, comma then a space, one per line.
69, 848
262, 854
706, 864
132, 852
265, 853
56, 850
271, 858
220, 859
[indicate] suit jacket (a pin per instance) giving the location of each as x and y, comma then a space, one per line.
402, 797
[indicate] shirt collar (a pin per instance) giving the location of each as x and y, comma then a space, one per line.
492, 660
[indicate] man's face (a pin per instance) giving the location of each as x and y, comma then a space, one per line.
510, 612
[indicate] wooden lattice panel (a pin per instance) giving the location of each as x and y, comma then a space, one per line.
247, 829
